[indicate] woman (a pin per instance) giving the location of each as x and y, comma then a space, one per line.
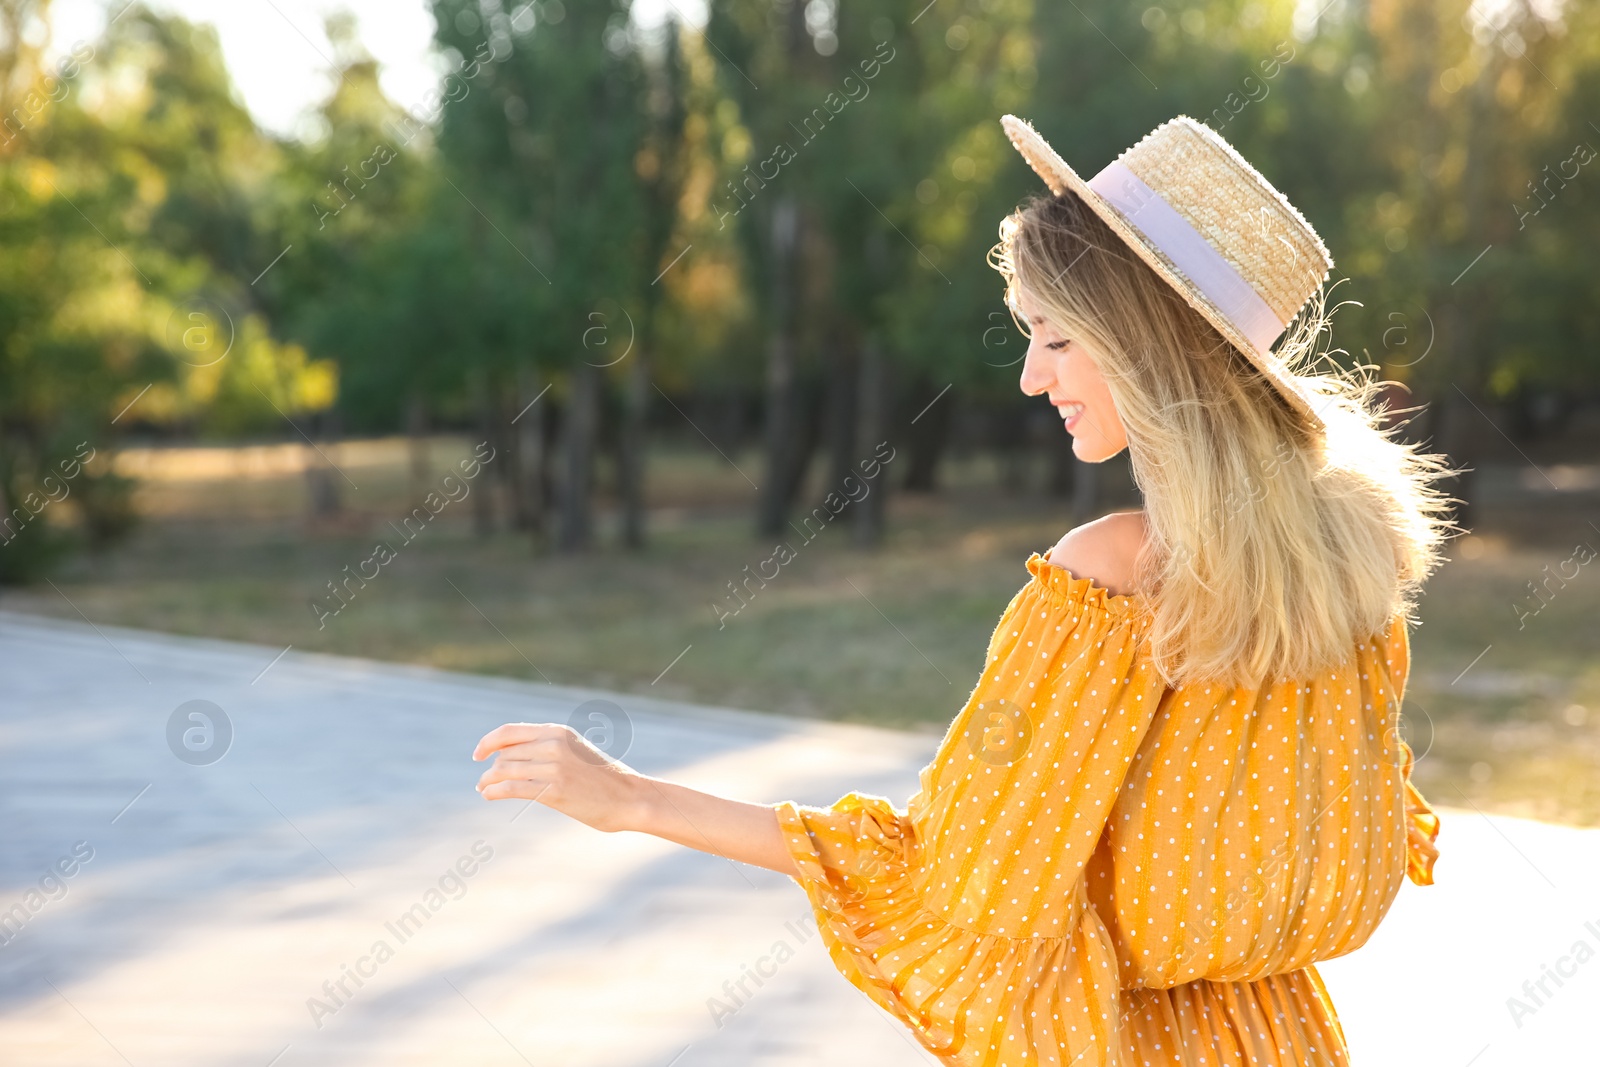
1178, 782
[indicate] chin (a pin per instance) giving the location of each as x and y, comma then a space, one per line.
1092, 451
1086, 450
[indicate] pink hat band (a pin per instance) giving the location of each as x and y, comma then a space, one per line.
1190, 253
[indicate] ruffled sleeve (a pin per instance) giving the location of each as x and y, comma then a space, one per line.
1422, 825
1422, 830
965, 914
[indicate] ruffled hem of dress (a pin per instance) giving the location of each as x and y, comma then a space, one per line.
1422, 826
1422, 833
882, 938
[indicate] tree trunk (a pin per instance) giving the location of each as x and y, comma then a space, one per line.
502, 438
1460, 431
529, 452
631, 453
1010, 439
781, 418
1064, 465
575, 529
730, 419
927, 436
483, 417
808, 438
842, 412
873, 430
1463, 330
782, 387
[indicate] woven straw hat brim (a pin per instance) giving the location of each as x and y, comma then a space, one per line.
1060, 176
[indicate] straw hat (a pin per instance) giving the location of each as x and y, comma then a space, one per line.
1212, 227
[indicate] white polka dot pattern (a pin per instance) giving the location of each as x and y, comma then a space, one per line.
1135, 874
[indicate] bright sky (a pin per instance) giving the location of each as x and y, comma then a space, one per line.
279, 56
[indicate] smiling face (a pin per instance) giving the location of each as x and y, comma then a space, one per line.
1063, 369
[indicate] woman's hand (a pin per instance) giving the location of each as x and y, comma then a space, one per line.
555, 765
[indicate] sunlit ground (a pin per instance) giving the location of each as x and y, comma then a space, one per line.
1503, 707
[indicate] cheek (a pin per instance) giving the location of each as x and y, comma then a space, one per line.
1079, 376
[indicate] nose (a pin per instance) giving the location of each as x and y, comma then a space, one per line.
1037, 371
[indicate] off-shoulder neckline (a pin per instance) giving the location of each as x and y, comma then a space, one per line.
1075, 590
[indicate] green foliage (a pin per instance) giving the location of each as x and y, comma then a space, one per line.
127, 214
170, 268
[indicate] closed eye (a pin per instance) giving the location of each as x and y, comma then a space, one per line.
1058, 345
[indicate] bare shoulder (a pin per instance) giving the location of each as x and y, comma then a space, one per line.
1104, 550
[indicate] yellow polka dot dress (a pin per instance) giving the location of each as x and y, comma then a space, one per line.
1100, 870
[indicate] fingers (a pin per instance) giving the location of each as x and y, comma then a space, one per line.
545, 748
515, 733
507, 770
515, 790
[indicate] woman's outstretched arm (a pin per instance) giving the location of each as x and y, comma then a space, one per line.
555, 765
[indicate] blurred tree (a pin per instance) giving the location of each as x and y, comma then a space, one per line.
663, 166
926, 196
165, 124
124, 213
858, 107
1470, 107
584, 212
346, 209
541, 143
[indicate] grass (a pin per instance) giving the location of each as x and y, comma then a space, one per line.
1504, 713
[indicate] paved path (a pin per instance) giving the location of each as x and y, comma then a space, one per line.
207, 905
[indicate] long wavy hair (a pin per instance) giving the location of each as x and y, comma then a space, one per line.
1273, 547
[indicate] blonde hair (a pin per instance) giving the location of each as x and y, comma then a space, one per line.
1273, 547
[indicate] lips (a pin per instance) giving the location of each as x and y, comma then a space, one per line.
1070, 412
